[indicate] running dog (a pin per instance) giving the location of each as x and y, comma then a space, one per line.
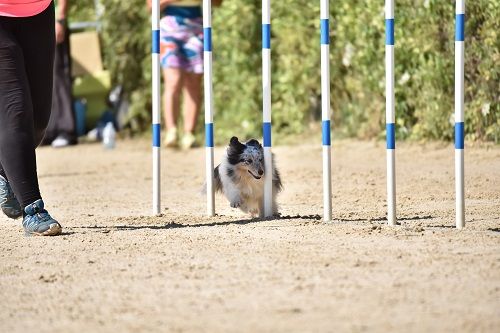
240, 177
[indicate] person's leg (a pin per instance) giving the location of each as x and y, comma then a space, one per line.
17, 152
37, 41
5, 57
192, 100
66, 126
171, 38
61, 130
192, 51
52, 130
28, 63
171, 98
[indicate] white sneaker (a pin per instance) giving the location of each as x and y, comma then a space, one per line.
188, 141
60, 142
93, 135
171, 138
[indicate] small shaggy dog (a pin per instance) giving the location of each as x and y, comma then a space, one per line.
240, 176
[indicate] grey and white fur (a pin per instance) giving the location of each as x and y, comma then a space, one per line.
240, 177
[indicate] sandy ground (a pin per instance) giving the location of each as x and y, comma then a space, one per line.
117, 269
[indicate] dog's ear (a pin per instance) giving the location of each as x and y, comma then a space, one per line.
254, 143
234, 150
234, 141
235, 144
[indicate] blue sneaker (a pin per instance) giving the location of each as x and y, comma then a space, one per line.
8, 202
37, 221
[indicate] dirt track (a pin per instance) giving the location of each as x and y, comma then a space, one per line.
116, 269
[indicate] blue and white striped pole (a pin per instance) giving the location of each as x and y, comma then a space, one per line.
266, 106
209, 105
459, 113
390, 112
325, 109
155, 55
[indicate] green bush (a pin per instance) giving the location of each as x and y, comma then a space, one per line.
424, 56
126, 37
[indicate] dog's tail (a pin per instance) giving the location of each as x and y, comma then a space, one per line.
217, 182
277, 184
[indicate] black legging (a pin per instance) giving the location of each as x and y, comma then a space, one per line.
26, 69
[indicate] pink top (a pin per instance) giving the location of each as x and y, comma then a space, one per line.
23, 8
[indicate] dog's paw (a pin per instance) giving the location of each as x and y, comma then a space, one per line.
236, 204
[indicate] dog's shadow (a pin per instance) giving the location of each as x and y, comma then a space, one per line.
175, 225
313, 218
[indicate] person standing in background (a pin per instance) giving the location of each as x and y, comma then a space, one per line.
61, 130
181, 57
27, 42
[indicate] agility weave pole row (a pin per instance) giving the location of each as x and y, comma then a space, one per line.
266, 106
459, 112
209, 106
325, 107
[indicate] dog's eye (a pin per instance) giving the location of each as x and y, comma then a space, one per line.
249, 161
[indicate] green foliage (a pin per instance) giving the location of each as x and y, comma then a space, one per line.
126, 37
424, 66
126, 48
237, 67
82, 11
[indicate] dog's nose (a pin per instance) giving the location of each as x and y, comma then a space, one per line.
261, 172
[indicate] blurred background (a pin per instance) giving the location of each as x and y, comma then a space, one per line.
111, 43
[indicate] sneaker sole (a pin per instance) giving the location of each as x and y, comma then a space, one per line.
189, 145
171, 145
54, 230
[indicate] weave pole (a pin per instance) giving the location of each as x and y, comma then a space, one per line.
155, 55
390, 112
209, 105
459, 113
325, 109
266, 107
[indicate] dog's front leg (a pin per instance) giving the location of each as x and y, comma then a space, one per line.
233, 195
235, 202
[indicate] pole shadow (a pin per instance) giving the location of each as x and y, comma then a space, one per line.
313, 218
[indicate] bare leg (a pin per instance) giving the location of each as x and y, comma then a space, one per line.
171, 96
192, 100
